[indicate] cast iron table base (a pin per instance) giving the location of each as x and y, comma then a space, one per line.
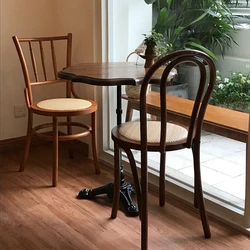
126, 191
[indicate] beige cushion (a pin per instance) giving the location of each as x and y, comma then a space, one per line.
64, 104
175, 133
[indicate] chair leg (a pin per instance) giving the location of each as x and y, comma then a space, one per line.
27, 142
129, 113
198, 192
94, 143
55, 152
162, 179
153, 118
69, 132
144, 205
136, 178
117, 179
196, 184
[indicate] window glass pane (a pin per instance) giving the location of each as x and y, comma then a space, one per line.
219, 153
238, 4
239, 7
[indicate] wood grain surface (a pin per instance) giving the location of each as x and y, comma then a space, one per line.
109, 73
35, 215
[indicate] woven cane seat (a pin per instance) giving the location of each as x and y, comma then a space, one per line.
175, 133
64, 104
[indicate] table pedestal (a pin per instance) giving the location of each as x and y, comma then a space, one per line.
126, 191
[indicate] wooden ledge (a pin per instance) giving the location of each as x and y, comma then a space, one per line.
221, 121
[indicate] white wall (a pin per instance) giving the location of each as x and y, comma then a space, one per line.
128, 21
26, 18
237, 58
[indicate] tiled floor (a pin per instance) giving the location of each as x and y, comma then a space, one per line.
223, 163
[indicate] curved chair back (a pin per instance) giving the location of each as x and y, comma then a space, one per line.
41, 59
207, 71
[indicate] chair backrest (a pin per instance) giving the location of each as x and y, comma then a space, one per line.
41, 58
206, 83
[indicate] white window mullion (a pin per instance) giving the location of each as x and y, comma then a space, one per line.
127, 21
247, 197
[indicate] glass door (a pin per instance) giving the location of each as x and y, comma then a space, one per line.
127, 21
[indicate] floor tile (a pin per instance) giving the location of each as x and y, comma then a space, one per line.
207, 137
187, 154
177, 162
234, 186
223, 163
230, 144
173, 161
226, 167
208, 175
215, 150
237, 158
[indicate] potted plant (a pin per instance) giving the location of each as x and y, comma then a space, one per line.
151, 42
155, 46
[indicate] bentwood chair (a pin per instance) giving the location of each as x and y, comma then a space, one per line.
40, 59
162, 136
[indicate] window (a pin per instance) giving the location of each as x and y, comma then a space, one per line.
238, 4
239, 7
128, 20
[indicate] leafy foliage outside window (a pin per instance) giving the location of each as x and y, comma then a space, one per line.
203, 25
232, 92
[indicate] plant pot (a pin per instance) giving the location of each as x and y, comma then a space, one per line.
190, 74
149, 60
134, 91
177, 89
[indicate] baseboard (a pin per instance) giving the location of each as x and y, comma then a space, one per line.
80, 147
18, 143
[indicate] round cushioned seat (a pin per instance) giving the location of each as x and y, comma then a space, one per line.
175, 133
61, 104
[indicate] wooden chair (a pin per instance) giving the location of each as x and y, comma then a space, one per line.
147, 135
39, 59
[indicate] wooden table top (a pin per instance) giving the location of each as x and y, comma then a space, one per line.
108, 73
